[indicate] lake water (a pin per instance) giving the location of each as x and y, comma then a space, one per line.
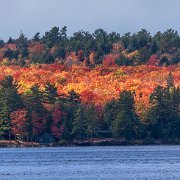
94, 163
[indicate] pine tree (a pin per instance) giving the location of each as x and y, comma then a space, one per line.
126, 123
10, 101
163, 116
157, 112
50, 93
79, 130
22, 44
172, 95
91, 119
69, 106
110, 113
37, 114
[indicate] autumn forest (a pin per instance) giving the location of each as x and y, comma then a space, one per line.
91, 86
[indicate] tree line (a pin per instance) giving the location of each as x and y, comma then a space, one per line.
55, 45
28, 115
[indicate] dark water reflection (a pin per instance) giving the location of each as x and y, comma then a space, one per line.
130, 162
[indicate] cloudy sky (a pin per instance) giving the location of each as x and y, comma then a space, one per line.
122, 16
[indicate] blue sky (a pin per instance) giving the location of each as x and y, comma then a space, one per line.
122, 16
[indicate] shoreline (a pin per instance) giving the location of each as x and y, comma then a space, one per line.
97, 142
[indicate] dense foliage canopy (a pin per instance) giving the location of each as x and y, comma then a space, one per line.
91, 86
86, 49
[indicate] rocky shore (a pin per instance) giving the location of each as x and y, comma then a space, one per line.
13, 144
90, 142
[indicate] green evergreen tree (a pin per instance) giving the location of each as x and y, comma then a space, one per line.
34, 105
22, 44
172, 95
126, 124
163, 116
110, 113
69, 106
52, 37
10, 101
36, 37
157, 112
79, 130
91, 119
50, 93
34, 99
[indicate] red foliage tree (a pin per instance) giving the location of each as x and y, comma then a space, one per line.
153, 60
109, 61
80, 55
36, 48
19, 122
57, 126
88, 96
38, 124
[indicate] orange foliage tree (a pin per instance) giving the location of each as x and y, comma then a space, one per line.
97, 85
